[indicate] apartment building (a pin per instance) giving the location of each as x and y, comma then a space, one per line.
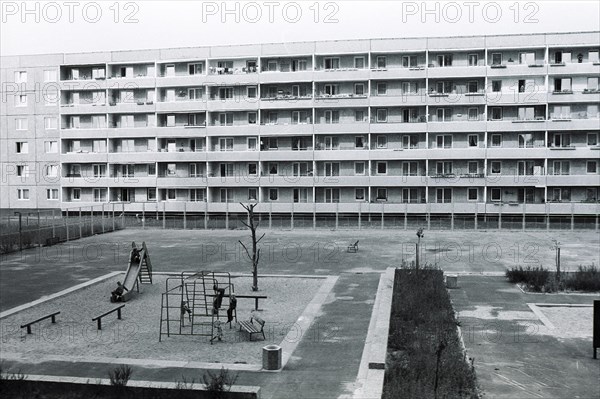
481, 126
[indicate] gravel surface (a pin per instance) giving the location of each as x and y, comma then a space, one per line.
136, 335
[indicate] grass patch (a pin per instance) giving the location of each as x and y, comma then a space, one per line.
425, 354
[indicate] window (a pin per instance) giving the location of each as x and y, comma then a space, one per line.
381, 89
332, 195
195, 94
194, 170
50, 75
151, 194
444, 141
226, 144
171, 169
98, 146
299, 65
51, 147
410, 168
562, 140
381, 62
591, 194
50, 123
562, 85
359, 194
496, 86
410, 195
443, 195
252, 118
272, 118
592, 139
51, 97
331, 63
473, 140
359, 116
359, 89
127, 170
300, 195
251, 91
332, 169
23, 194
300, 169
444, 60
23, 171
382, 141
592, 84
472, 194
496, 58
20, 77
359, 142
496, 194
525, 168
252, 143
496, 167
52, 194
473, 114
21, 100
382, 115
252, 169
99, 195
51, 170
473, 59
22, 147
252, 194
300, 117
409, 61
561, 168
444, 114
410, 142
226, 119
226, 169
171, 194
443, 168
359, 62
561, 194
332, 116
273, 168
359, 168
496, 113
473, 167
592, 167
382, 194
225, 93
21, 124
196, 69
527, 58
273, 194
382, 168
444, 87
526, 140
151, 169
496, 140
472, 86
76, 194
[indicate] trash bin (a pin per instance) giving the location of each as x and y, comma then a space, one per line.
452, 281
271, 357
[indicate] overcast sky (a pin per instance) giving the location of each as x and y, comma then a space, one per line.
60, 26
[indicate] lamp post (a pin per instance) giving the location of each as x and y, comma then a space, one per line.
418, 246
20, 229
556, 247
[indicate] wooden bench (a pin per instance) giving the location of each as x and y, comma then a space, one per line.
99, 318
252, 328
50, 316
353, 247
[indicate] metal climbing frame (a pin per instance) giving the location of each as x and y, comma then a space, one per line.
187, 295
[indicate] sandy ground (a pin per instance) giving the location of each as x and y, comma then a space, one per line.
570, 322
136, 335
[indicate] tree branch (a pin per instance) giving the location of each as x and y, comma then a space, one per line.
261, 237
244, 223
246, 249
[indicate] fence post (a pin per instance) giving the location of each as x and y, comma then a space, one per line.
123, 215
53, 227
80, 222
92, 220
113, 216
143, 215
164, 221
184, 215
103, 217
39, 230
67, 224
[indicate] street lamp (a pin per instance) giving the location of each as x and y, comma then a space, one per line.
20, 229
419, 235
556, 247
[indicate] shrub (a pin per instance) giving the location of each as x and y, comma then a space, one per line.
535, 278
120, 376
586, 278
423, 325
218, 384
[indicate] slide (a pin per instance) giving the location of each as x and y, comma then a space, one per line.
133, 271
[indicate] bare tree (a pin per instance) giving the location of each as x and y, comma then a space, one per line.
255, 257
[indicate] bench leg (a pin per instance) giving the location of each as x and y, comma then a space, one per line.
28, 329
53, 319
119, 313
255, 303
99, 324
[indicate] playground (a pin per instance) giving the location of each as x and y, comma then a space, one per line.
318, 305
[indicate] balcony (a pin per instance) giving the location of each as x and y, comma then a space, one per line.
142, 131
232, 104
341, 100
516, 153
450, 99
83, 109
399, 127
516, 98
232, 156
84, 157
589, 180
456, 71
83, 133
417, 72
286, 155
233, 130
85, 181
232, 181
457, 126
574, 97
162, 155
587, 68
285, 77
341, 154
138, 82
577, 121
240, 78
517, 125
181, 81
515, 69
181, 106
286, 102
288, 181
287, 129
180, 131
324, 75
398, 181
83, 84
166, 181
455, 153
515, 180
131, 157
131, 181
352, 127
131, 107
403, 100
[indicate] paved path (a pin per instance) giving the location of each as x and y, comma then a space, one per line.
516, 356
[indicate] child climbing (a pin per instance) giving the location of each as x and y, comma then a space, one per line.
117, 294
